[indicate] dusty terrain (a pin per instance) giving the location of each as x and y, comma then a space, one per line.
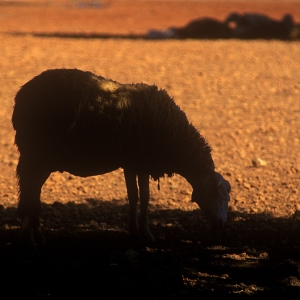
243, 96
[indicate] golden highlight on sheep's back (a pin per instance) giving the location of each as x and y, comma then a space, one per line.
107, 85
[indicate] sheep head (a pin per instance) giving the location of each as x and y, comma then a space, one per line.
212, 196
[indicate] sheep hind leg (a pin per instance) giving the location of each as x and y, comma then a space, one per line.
31, 177
145, 233
132, 192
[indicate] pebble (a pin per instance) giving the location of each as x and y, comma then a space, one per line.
247, 185
263, 255
258, 162
233, 208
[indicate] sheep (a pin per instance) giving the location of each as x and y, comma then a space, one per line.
260, 26
206, 28
72, 120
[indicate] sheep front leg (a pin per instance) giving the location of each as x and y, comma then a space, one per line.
31, 178
143, 180
132, 192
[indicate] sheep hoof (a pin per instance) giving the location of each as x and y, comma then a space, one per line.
31, 233
147, 237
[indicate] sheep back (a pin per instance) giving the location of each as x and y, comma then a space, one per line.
87, 125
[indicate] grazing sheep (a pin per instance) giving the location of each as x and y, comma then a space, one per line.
206, 28
75, 121
259, 26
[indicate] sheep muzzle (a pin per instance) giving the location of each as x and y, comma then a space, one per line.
213, 199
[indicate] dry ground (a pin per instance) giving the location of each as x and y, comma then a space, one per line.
244, 98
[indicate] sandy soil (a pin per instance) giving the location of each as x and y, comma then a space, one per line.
243, 96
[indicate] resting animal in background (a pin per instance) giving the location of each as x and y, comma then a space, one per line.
206, 28
260, 26
75, 121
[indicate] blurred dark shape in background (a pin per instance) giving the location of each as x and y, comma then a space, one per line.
259, 26
239, 26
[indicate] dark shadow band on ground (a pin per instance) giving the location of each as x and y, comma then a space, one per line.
62, 35
89, 255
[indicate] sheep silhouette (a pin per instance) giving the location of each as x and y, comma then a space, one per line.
204, 28
260, 26
75, 121
236, 25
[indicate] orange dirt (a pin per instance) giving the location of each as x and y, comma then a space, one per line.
244, 98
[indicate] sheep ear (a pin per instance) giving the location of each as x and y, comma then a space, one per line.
224, 189
226, 183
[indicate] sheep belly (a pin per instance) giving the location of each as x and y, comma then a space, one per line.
83, 169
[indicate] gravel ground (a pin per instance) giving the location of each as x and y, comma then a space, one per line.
243, 96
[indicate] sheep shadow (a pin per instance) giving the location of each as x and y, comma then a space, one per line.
89, 255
